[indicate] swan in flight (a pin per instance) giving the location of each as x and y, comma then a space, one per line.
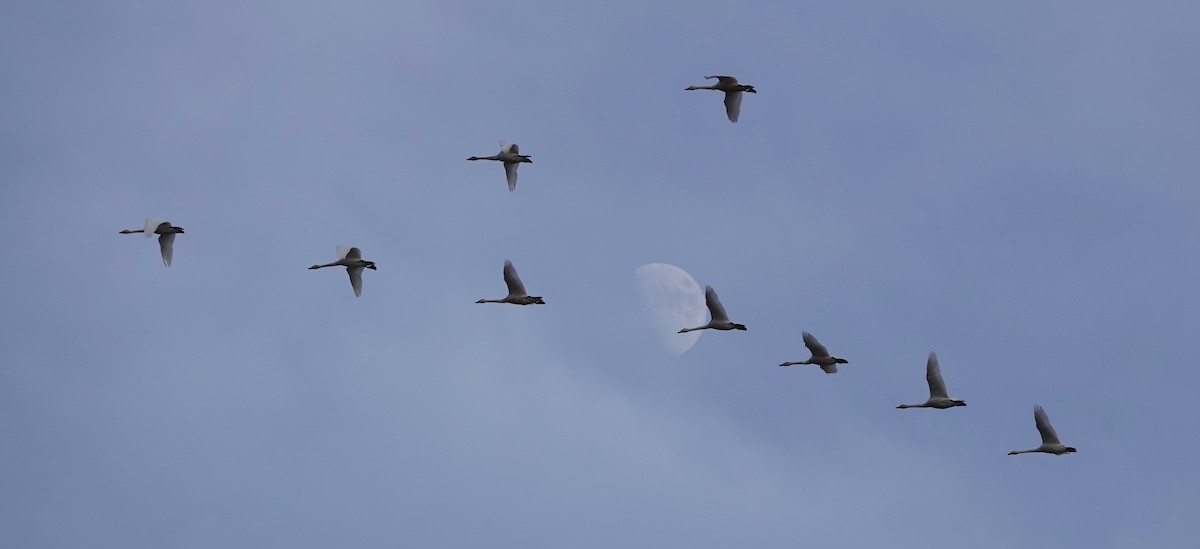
1050, 443
351, 258
937, 388
733, 93
516, 290
166, 236
510, 155
820, 356
720, 320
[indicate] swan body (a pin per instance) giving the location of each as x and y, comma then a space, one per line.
166, 236
733, 93
820, 356
937, 388
510, 155
720, 320
516, 290
1050, 442
351, 258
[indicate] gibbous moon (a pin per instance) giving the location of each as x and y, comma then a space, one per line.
672, 300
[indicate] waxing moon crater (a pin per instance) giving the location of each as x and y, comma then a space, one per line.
671, 299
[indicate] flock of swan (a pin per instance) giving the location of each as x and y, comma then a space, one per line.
350, 257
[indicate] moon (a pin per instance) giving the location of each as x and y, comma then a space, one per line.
672, 300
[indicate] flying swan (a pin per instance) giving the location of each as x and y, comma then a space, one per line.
720, 320
937, 388
351, 258
820, 356
1050, 443
510, 155
516, 290
733, 94
166, 236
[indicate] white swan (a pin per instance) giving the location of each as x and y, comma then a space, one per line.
516, 290
733, 94
166, 236
351, 258
720, 320
937, 388
1050, 443
820, 356
510, 155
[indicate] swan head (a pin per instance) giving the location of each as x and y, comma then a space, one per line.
902, 406
473, 158
481, 301
315, 267
1013, 453
127, 231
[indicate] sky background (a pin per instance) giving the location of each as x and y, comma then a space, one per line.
1012, 185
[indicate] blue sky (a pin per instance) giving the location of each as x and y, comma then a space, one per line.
1012, 186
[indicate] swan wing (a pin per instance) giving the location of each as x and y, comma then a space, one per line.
933, 375
515, 287
345, 251
507, 147
1043, 426
510, 173
733, 105
714, 304
166, 246
152, 225
723, 80
814, 346
355, 279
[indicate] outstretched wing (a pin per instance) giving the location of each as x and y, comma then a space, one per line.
814, 346
166, 247
1043, 425
714, 304
345, 251
355, 279
510, 172
515, 288
723, 80
507, 147
733, 105
933, 375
